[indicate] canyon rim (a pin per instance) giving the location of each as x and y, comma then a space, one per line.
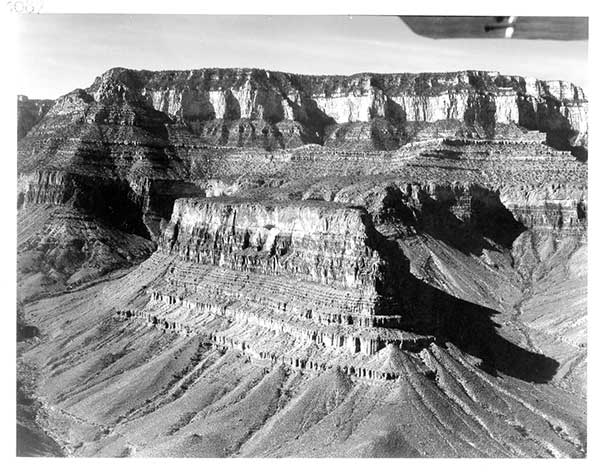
240, 262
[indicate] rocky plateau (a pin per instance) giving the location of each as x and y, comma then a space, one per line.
248, 263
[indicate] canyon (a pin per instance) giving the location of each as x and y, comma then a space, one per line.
239, 262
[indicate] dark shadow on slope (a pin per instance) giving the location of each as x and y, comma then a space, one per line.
428, 310
580, 152
390, 444
467, 325
25, 331
316, 120
469, 220
111, 201
472, 329
442, 154
548, 118
489, 221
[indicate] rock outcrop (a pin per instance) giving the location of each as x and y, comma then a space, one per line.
313, 269
264, 109
315, 241
146, 138
410, 242
561, 207
475, 100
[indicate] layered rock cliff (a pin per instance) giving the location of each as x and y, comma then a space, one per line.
330, 286
257, 108
269, 101
321, 242
138, 130
497, 211
318, 245
407, 243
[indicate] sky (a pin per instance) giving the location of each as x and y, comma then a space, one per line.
58, 53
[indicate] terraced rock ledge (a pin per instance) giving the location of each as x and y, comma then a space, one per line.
308, 283
236, 262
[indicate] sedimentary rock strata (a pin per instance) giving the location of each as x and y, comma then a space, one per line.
317, 276
125, 148
404, 244
319, 242
256, 108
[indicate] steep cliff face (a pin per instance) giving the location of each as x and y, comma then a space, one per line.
561, 207
407, 243
315, 272
320, 242
133, 128
263, 99
98, 170
43, 187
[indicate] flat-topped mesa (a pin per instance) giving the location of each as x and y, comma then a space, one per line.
308, 281
319, 242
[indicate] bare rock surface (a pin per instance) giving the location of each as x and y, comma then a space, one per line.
236, 262
128, 389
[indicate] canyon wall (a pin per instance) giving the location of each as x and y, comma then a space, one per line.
136, 128
559, 206
315, 275
122, 151
327, 243
420, 237
258, 108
